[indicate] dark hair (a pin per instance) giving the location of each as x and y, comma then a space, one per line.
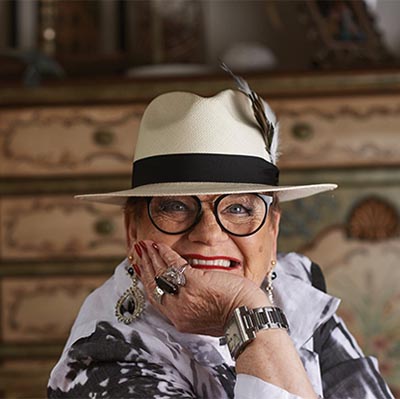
275, 207
131, 206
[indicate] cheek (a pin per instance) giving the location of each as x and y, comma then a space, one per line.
258, 251
147, 231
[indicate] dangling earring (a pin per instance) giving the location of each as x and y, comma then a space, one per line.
269, 288
131, 304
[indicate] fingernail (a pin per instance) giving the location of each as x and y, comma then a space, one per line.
137, 270
155, 246
143, 245
138, 251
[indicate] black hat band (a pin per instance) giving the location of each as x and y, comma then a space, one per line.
210, 168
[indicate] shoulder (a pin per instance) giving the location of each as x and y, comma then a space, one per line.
97, 306
303, 268
296, 265
100, 304
307, 270
118, 360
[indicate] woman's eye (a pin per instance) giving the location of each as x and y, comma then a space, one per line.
175, 206
238, 209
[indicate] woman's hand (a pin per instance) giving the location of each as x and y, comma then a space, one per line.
204, 304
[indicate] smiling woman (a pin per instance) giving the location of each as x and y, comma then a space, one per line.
203, 306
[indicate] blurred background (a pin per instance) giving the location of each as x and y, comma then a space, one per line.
75, 77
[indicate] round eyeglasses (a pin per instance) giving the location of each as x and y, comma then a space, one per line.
237, 214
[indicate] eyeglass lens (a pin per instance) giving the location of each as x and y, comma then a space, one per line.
238, 214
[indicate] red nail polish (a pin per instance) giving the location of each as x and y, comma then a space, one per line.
138, 251
137, 270
155, 246
143, 245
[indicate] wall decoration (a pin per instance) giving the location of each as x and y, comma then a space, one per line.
360, 263
165, 32
343, 34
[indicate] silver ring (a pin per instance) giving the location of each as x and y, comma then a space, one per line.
181, 269
176, 274
158, 294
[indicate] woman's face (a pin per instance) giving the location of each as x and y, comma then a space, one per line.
207, 246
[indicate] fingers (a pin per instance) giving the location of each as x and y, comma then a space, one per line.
148, 268
154, 259
157, 257
169, 256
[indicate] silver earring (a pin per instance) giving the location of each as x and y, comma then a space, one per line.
269, 288
131, 304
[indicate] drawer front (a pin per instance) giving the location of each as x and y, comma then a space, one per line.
25, 378
68, 140
339, 132
42, 309
53, 227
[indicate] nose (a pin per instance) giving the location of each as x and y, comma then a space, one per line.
207, 230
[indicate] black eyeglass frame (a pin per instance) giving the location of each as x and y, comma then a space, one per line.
267, 199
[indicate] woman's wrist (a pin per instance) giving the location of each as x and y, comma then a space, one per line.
252, 297
267, 357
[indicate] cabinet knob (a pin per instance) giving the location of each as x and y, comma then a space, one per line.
104, 137
104, 227
302, 131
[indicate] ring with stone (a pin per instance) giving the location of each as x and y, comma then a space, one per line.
166, 284
158, 294
176, 275
181, 269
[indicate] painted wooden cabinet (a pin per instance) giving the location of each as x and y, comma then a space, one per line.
57, 142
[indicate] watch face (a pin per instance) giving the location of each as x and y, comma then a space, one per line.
233, 338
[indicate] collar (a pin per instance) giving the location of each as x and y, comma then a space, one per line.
305, 307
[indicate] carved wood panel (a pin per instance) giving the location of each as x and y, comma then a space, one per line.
68, 140
52, 227
339, 132
25, 378
42, 309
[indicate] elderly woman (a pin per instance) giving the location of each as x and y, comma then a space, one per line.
203, 306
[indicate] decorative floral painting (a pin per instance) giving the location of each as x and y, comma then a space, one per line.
361, 265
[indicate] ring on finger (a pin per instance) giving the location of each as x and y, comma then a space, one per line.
181, 271
158, 294
166, 285
176, 274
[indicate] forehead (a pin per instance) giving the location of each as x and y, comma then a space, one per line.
208, 198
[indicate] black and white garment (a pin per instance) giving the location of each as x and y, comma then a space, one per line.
149, 358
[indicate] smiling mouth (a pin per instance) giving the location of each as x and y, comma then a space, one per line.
212, 262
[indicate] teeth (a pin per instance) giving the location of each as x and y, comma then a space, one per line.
216, 262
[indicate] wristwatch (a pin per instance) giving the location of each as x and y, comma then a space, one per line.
245, 323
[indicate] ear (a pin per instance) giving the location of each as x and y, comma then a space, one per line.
274, 226
130, 229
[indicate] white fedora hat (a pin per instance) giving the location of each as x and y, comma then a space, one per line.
191, 145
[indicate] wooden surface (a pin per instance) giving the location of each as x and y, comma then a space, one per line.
271, 85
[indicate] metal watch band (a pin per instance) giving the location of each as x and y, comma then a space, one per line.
267, 317
248, 322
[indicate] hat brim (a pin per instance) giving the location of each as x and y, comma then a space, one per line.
285, 193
